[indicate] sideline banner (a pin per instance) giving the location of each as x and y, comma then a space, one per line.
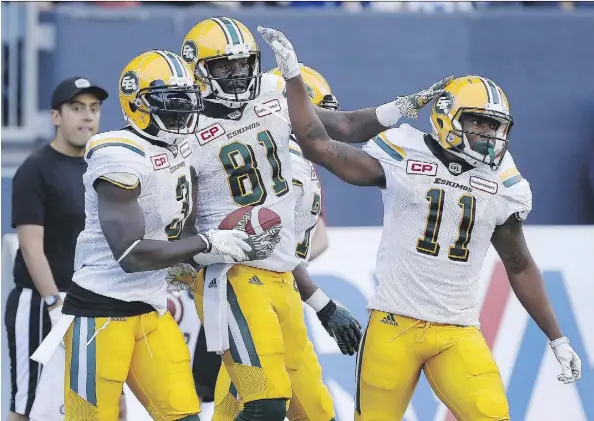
528, 367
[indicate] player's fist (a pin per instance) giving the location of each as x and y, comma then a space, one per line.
286, 58
571, 365
227, 242
262, 244
410, 105
342, 326
181, 277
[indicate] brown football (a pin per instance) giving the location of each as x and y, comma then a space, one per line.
264, 219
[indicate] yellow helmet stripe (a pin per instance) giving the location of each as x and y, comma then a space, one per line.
491, 89
231, 31
496, 99
489, 96
223, 28
168, 61
177, 64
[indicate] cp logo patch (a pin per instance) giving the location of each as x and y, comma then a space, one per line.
129, 83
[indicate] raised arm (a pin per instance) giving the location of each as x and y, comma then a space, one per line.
351, 126
347, 162
361, 125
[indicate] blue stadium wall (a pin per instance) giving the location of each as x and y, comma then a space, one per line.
544, 60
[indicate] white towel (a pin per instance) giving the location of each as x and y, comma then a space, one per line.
216, 327
46, 349
49, 397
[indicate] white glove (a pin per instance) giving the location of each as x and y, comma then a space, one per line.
55, 314
205, 259
409, 105
286, 58
262, 245
227, 242
569, 360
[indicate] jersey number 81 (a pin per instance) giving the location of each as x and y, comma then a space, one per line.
240, 164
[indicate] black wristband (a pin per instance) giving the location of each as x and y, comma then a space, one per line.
207, 241
328, 310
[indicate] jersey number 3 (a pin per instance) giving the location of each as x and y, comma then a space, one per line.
428, 243
182, 194
240, 164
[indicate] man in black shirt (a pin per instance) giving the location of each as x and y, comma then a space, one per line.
48, 199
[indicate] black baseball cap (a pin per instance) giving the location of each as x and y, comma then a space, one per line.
71, 87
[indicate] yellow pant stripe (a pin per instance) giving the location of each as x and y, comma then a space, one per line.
75, 356
84, 360
241, 343
358, 373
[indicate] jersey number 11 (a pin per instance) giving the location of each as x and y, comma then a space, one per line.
428, 243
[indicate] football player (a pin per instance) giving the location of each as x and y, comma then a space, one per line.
139, 190
447, 196
336, 320
243, 159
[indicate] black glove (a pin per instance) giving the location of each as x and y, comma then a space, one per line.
342, 326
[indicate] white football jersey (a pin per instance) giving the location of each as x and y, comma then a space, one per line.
308, 200
165, 198
242, 158
438, 222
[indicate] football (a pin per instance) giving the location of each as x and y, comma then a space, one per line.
262, 219
175, 306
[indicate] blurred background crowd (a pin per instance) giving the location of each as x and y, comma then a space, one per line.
384, 6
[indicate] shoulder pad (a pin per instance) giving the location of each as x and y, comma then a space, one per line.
272, 83
302, 168
516, 190
294, 148
383, 143
116, 141
508, 174
117, 152
121, 179
406, 137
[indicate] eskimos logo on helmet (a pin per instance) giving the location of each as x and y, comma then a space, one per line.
129, 83
444, 103
190, 51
